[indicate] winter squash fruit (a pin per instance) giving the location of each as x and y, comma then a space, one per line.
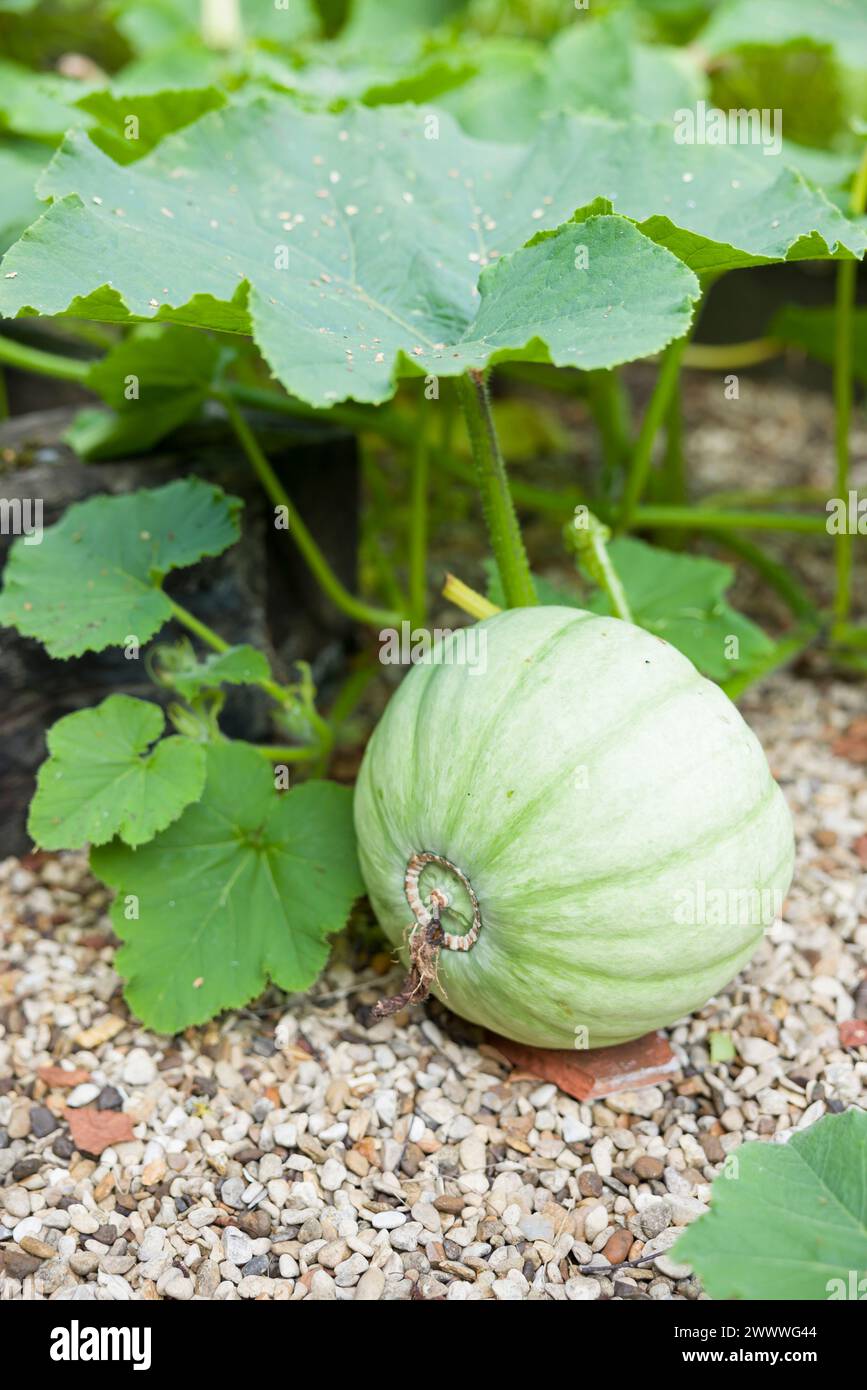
582, 825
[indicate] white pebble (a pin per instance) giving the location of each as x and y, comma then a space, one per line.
82, 1095
387, 1220
139, 1069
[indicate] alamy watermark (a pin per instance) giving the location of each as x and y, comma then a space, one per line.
847, 516
722, 907
439, 646
77, 1343
710, 125
22, 517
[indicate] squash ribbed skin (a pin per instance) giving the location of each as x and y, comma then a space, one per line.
591, 785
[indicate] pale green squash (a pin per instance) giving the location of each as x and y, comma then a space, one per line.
615, 816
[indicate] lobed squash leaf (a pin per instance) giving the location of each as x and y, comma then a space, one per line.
95, 580
100, 780
267, 878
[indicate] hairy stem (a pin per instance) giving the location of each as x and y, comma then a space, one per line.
493, 484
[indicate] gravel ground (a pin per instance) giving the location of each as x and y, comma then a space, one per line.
286, 1152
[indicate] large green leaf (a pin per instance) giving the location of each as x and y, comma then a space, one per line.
382, 233
94, 581
382, 241
790, 1221
101, 780
378, 21
247, 886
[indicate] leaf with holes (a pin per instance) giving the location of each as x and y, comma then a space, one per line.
95, 580
355, 255
245, 888
103, 778
364, 236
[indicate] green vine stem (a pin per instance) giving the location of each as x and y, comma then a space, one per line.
674, 463
639, 467
493, 484
705, 519
418, 527
843, 332
31, 359
288, 754
698, 518
610, 409
197, 627
316, 562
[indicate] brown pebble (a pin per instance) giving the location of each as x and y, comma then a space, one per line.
255, 1223
589, 1184
647, 1167
411, 1160
455, 1267
617, 1247
713, 1149
453, 1205
17, 1264
625, 1175
826, 838
38, 1248
357, 1163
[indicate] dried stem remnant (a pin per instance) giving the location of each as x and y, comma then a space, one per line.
426, 935
424, 946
